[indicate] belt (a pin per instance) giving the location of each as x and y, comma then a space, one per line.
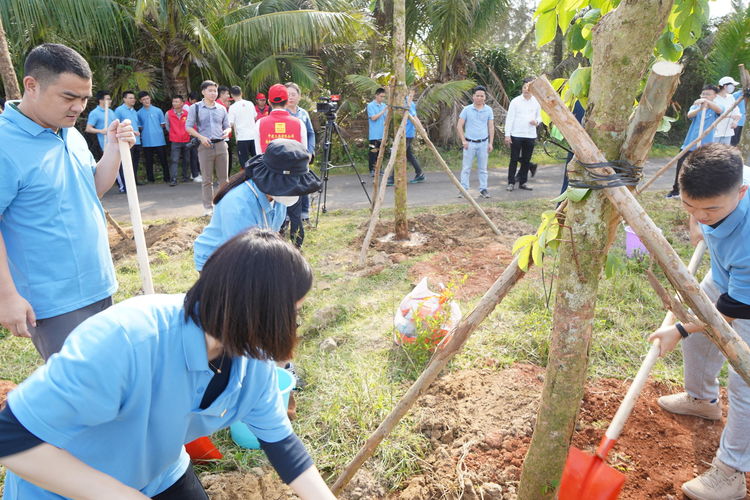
477, 140
214, 141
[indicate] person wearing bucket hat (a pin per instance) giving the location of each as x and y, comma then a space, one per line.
258, 196
107, 416
725, 129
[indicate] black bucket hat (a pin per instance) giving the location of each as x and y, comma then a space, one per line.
282, 170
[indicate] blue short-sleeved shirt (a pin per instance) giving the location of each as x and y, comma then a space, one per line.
239, 210
475, 121
376, 127
151, 119
96, 120
123, 396
305, 117
695, 126
51, 218
741, 107
730, 253
410, 131
125, 113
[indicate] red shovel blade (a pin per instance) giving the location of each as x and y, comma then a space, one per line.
587, 477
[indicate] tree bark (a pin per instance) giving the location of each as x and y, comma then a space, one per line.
623, 43
399, 70
7, 73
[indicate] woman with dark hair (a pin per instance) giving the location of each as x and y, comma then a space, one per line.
107, 417
258, 195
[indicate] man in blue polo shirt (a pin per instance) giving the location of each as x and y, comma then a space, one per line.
99, 120
714, 194
55, 264
126, 111
377, 111
479, 122
152, 124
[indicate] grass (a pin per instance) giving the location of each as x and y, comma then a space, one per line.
350, 390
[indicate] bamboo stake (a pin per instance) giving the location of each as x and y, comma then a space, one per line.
461, 334
115, 225
386, 129
135, 218
687, 148
378, 200
717, 329
420, 128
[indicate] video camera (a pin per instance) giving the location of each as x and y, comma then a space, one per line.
328, 105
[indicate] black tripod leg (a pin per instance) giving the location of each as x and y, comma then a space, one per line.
351, 161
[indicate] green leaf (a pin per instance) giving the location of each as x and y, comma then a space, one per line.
666, 47
523, 241
592, 16
588, 51
537, 253
544, 6
523, 258
613, 266
566, 11
666, 124
586, 30
546, 28
576, 41
580, 81
563, 196
577, 194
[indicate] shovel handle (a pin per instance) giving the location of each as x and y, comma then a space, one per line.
626, 407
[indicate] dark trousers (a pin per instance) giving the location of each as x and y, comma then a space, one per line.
676, 186
195, 168
188, 487
148, 155
179, 149
372, 156
737, 135
296, 228
245, 150
521, 149
411, 158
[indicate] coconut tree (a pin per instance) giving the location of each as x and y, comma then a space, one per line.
8, 75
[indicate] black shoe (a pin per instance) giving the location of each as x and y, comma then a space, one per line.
173, 182
417, 179
372, 173
532, 168
389, 183
484, 193
673, 194
510, 187
186, 179
525, 187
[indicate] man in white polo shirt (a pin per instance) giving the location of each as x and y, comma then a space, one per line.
242, 119
524, 115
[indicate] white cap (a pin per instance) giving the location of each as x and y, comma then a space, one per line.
727, 79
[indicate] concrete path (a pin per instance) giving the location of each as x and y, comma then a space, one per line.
159, 201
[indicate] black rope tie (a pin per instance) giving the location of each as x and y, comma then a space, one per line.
626, 174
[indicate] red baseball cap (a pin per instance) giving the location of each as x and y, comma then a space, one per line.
277, 94
260, 95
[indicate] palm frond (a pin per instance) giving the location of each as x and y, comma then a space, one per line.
731, 46
264, 72
363, 84
442, 95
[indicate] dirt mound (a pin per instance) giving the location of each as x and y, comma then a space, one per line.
5, 387
441, 232
480, 422
258, 484
172, 237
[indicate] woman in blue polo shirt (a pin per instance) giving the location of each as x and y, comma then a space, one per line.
107, 417
258, 195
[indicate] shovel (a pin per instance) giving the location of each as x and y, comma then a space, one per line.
589, 477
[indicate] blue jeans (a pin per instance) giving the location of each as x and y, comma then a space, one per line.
703, 361
478, 150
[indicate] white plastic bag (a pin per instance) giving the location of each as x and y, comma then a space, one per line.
420, 305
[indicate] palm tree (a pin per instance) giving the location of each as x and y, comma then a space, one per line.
731, 46
216, 37
7, 73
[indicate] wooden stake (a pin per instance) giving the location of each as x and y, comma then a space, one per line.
420, 128
717, 329
115, 225
135, 218
461, 334
378, 200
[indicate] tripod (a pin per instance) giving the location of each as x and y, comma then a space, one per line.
325, 166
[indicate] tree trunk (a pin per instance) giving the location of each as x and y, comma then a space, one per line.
7, 73
623, 43
399, 70
176, 64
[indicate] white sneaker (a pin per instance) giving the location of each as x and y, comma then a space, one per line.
683, 403
720, 482
208, 212
198, 179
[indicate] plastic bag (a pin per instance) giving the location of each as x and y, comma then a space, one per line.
420, 306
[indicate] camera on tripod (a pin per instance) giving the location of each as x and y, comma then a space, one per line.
328, 105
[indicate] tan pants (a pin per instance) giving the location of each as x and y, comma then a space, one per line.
210, 159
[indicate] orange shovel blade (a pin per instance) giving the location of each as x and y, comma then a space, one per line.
587, 477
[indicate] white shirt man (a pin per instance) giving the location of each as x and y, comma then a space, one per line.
242, 119
524, 116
